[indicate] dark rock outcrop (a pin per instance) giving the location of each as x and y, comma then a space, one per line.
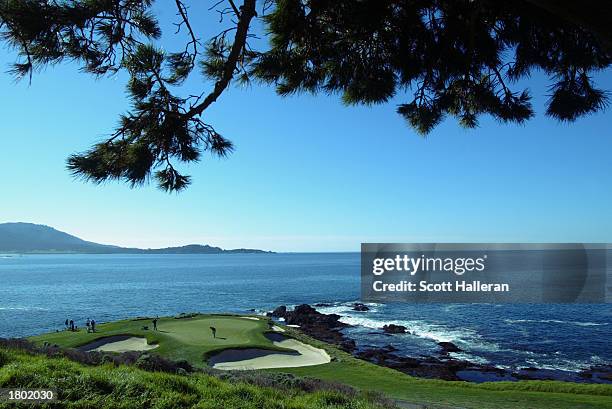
449, 347
304, 310
348, 345
394, 329
360, 307
324, 327
422, 367
598, 374
279, 312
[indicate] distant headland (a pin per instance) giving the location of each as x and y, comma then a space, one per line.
29, 238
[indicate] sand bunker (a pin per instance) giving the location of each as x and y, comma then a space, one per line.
277, 328
253, 358
119, 344
251, 318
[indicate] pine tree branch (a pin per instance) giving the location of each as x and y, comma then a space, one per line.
242, 29
235, 8
194, 41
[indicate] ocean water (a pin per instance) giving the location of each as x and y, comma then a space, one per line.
39, 292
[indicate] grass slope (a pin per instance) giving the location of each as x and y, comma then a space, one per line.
107, 386
190, 339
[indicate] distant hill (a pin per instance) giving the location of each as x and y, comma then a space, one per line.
37, 238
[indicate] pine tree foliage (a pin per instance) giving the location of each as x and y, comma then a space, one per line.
460, 58
97, 33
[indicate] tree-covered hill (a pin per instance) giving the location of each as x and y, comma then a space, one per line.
36, 238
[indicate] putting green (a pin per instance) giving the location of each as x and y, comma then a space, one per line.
230, 331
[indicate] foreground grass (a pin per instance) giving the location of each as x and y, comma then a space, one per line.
190, 339
107, 386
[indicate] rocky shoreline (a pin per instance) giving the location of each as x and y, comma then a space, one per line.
328, 328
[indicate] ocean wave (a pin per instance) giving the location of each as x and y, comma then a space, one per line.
463, 356
597, 360
340, 309
464, 338
559, 365
558, 362
346, 307
578, 323
23, 309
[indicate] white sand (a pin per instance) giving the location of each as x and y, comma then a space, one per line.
293, 326
126, 345
277, 328
251, 318
308, 356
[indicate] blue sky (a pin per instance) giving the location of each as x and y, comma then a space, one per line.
309, 174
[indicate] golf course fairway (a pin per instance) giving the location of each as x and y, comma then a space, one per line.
183, 338
190, 338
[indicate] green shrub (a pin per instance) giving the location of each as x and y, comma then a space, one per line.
4, 358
